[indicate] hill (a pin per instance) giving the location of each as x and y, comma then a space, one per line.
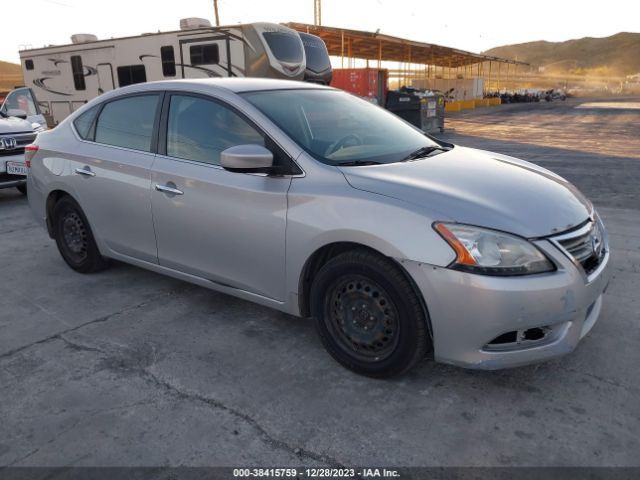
10, 75
618, 54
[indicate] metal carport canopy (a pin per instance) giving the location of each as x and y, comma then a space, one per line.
377, 46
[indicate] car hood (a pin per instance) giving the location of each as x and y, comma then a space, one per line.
480, 188
14, 125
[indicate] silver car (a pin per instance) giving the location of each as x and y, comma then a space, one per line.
311, 201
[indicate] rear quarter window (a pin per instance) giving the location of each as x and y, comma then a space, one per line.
84, 122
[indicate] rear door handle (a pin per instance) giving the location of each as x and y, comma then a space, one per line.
168, 189
85, 171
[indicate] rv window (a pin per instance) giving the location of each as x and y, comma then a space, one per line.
28, 64
316, 52
78, 72
207, 54
286, 47
84, 121
168, 61
130, 74
128, 122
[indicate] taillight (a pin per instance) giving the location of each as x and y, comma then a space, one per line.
29, 152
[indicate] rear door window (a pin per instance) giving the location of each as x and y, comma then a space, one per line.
128, 122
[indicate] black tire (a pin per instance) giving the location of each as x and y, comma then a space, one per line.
368, 315
74, 238
22, 189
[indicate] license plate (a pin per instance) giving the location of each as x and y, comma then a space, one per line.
16, 168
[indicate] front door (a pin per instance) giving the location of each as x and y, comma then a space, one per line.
223, 226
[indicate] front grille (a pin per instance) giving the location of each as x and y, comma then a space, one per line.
22, 140
15, 151
585, 245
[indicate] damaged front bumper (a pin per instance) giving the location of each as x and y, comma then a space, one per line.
486, 322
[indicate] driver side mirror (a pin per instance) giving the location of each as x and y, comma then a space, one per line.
247, 159
16, 112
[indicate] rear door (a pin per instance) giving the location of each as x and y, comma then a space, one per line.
223, 226
111, 172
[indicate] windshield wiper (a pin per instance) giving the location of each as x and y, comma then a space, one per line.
357, 163
424, 151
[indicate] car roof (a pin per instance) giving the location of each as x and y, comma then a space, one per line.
236, 85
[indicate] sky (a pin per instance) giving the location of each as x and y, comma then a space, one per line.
466, 24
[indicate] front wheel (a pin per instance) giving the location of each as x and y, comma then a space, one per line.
74, 238
368, 315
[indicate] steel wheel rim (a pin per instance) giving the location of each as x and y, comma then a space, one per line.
362, 318
74, 234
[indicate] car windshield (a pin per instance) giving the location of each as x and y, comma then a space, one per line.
339, 128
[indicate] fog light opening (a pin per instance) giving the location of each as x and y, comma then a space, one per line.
534, 334
518, 339
509, 337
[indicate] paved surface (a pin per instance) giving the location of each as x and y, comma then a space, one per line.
130, 368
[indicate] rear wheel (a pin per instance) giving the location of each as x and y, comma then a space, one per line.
368, 315
22, 189
74, 238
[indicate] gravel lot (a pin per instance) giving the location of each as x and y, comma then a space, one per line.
130, 368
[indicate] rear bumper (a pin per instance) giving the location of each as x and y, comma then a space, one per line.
468, 312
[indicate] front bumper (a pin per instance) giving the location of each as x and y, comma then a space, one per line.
468, 311
6, 180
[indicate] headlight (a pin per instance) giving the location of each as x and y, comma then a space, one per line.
480, 250
37, 128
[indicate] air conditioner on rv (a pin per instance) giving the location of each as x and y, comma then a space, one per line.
194, 22
83, 38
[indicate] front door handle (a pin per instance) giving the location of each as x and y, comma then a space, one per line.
168, 189
85, 171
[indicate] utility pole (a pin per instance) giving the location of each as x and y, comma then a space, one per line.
317, 12
215, 9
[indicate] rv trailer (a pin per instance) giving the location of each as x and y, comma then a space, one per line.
65, 77
318, 64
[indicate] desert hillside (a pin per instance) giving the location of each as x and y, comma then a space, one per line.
10, 75
618, 54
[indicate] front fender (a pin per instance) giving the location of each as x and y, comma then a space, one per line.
321, 217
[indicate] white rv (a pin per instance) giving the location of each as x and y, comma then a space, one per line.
67, 76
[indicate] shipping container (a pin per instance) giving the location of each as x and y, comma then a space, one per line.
372, 83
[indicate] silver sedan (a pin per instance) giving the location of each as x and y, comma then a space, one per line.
311, 201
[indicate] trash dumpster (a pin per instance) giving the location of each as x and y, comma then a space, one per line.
406, 105
432, 112
424, 109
